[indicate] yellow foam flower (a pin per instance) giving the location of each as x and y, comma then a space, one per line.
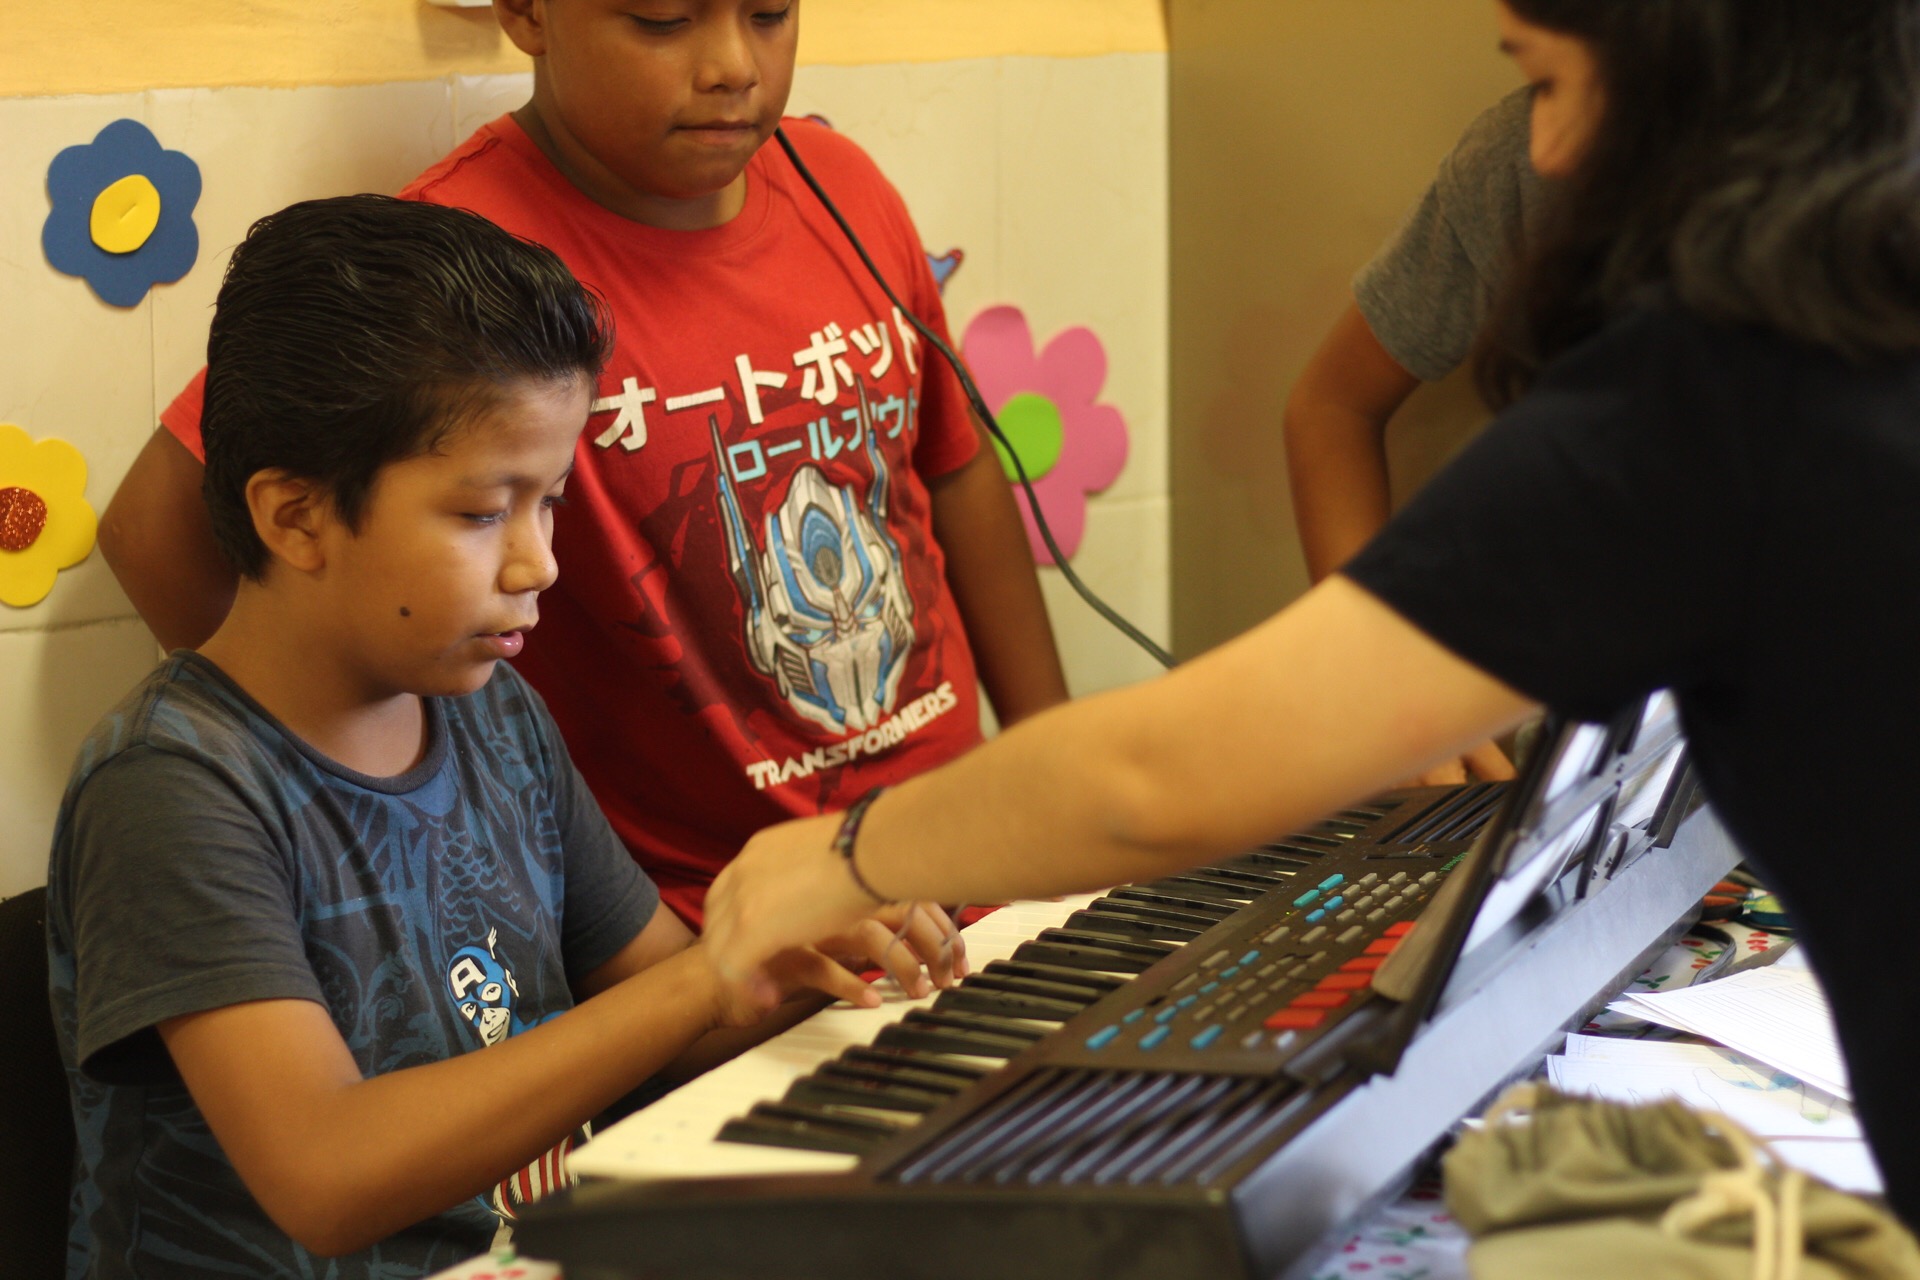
45, 522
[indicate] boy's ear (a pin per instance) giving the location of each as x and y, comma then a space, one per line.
525, 22
289, 513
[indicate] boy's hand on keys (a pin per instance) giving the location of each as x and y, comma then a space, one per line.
787, 973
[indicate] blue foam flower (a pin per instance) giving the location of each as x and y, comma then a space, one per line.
130, 256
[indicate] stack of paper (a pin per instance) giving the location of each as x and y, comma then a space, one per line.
1777, 1014
1780, 1075
1804, 1126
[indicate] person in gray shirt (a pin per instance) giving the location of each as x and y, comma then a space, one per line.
1417, 310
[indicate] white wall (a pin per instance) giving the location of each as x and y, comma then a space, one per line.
1049, 172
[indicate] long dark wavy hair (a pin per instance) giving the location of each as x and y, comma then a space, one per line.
1758, 161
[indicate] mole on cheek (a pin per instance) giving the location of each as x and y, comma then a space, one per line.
405, 612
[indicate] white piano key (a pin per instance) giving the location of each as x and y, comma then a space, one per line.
674, 1138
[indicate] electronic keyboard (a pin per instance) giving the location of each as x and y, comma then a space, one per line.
1175, 1078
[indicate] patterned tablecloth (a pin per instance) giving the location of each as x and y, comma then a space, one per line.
1413, 1239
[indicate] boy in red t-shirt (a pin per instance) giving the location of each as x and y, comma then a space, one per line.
786, 550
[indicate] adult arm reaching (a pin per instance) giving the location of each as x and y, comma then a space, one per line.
1335, 698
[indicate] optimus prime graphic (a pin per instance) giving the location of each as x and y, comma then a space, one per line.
485, 991
827, 613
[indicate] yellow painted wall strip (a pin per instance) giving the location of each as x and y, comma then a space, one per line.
121, 46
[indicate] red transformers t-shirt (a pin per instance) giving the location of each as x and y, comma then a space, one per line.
752, 620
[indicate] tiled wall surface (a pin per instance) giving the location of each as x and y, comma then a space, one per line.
1049, 172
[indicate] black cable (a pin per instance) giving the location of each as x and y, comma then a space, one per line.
979, 404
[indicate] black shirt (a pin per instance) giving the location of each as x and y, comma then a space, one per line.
1736, 517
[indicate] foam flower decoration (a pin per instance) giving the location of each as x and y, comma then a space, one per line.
944, 265
45, 522
122, 216
1069, 445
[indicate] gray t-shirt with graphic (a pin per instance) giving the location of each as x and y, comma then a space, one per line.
1426, 293
204, 856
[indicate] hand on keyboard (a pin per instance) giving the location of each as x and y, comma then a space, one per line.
786, 887
1485, 763
917, 944
788, 973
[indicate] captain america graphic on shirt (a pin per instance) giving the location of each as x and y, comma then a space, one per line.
486, 995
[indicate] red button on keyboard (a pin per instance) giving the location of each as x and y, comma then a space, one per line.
1295, 1020
1363, 964
1400, 929
1321, 999
1344, 981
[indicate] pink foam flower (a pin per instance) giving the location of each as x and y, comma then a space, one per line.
1069, 445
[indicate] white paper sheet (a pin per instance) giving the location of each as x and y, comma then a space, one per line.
1777, 1014
1767, 1102
1805, 1127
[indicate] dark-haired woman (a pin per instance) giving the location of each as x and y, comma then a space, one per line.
1707, 479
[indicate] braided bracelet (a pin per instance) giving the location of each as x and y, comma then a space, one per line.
843, 840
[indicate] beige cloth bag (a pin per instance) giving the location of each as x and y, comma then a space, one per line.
1577, 1188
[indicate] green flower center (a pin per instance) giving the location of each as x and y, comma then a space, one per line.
1032, 425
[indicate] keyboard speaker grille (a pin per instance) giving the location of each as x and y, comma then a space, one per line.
1075, 1127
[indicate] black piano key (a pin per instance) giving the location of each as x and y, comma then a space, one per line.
1076, 956
915, 1031
1311, 848
784, 1133
1253, 876
782, 1124
974, 998
911, 1066
984, 1023
1099, 983
1235, 891
1143, 948
914, 1078
991, 979
1120, 924
1231, 899
832, 1086
1280, 861
1179, 899
1186, 918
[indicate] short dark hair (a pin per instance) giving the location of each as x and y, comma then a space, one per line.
1757, 161
354, 332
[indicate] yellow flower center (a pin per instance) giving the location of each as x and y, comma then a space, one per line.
125, 214
23, 514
